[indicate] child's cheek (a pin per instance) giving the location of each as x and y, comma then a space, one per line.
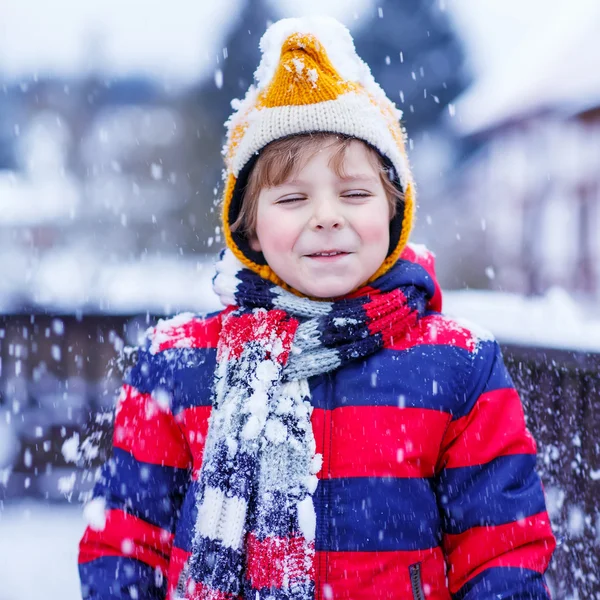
277, 233
374, 230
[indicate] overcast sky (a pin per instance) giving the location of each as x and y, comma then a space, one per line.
180, 38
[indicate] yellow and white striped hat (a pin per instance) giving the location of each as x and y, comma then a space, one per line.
310, 79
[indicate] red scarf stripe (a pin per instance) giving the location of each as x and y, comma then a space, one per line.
238, 330
390, 315
198, 591
271, 560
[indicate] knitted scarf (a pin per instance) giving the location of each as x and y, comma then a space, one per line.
255, 528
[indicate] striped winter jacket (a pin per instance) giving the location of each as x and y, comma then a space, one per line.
427, 490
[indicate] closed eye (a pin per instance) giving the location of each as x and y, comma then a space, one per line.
289, 200
357, 195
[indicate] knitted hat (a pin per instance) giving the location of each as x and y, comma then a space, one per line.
310, 79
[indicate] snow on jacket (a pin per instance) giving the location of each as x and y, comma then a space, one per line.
428, 487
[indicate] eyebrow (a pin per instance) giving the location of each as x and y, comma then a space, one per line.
359, 177
355, 178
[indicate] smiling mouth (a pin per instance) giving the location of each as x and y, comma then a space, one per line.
332, 254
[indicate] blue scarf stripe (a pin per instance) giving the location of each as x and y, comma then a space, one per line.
345, 323
220, 568
300, 591
227, 476
257, 291
275, 520
415, 298
360, 349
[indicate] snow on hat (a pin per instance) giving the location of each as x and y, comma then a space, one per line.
310, 79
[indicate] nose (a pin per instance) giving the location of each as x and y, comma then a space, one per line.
327, 214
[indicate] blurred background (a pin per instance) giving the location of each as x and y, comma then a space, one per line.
111, 126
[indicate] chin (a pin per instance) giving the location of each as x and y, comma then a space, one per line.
328, 292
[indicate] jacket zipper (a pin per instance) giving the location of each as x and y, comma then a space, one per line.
182, 580
326, 508
330, 407
415, 581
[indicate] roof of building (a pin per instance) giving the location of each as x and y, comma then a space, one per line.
555, 68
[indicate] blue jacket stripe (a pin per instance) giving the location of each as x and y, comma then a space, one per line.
151, 492
501, 491
150, 371
488, 373
117, 577
499, 376
184, 536
507, 583
194, 380
422, 382
372, 513
187, 372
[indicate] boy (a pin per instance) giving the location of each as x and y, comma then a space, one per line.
360, 444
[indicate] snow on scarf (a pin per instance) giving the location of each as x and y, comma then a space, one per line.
255, 529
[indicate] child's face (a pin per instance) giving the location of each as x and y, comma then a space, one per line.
317, 211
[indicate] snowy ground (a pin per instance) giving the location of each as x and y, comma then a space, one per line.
38, 551
554, 320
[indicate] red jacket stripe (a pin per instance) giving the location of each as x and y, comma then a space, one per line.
148, 431
354, 575
526, 543
193, 333
379, 441
494, 427
126, 535
194, 424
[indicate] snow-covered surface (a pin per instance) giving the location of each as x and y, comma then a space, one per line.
25, 202
560, 70
174, 39
550, 321
178, 36
38, 551
177, 39
307, 518
345, 11
78, 281
478, 24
